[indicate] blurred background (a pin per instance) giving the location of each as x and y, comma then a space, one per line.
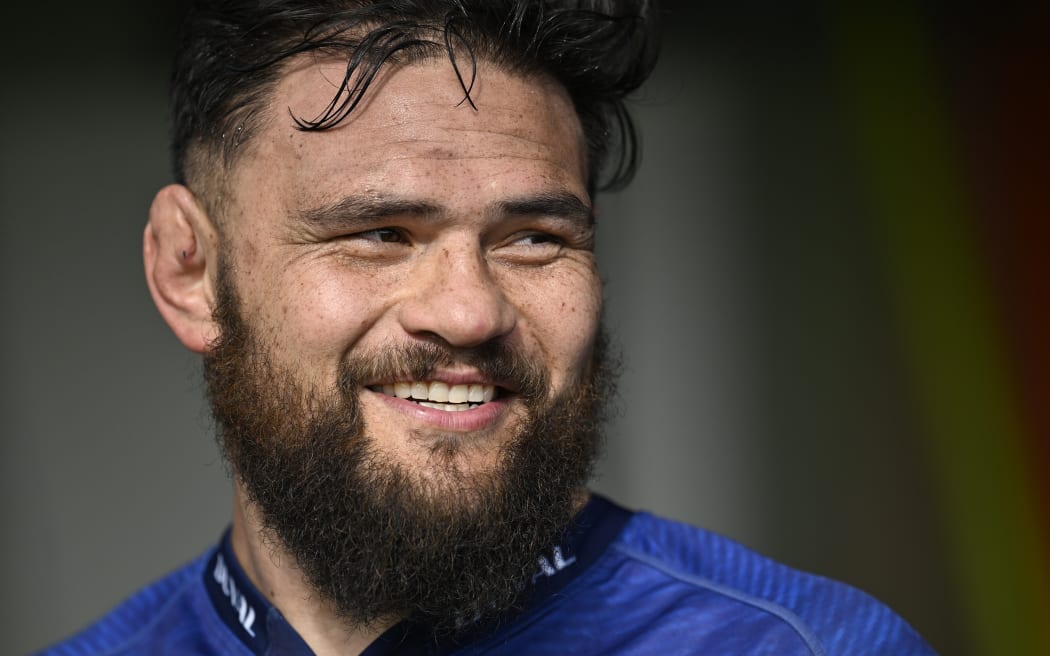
828, 283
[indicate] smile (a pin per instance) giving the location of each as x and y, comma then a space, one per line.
439, 395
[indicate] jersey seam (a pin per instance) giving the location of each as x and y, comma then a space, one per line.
811, 641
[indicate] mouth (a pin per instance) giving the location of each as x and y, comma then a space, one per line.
439, 395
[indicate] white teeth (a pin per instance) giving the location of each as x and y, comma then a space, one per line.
458, 393
441, 395
438, 392
447, 407
420, 391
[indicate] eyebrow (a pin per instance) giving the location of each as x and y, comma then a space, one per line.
362, 210
358, 210
558, 204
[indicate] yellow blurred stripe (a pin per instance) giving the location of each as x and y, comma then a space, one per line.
947, 321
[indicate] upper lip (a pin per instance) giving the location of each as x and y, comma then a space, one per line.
451, 377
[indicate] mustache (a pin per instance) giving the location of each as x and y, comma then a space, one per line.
497, 361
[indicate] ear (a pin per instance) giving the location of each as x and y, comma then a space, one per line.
180, 249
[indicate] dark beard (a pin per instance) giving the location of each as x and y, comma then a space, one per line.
375, 539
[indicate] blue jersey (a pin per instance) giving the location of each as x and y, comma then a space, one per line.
620, 583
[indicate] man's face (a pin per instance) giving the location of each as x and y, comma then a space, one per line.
421, 249
419, 220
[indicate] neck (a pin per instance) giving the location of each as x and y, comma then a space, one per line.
275, 574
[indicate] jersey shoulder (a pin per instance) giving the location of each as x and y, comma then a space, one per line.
162, 618
827, 617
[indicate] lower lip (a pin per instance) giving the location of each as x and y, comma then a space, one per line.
479, 418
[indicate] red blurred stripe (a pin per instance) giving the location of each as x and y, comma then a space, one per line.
1005, 86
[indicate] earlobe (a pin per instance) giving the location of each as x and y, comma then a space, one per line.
179, 249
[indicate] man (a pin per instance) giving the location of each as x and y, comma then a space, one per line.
381, 242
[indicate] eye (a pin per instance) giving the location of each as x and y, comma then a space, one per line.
385, 235
540, 239
532, 248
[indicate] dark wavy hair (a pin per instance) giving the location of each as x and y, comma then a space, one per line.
231, 52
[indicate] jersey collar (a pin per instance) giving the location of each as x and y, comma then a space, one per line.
264, 631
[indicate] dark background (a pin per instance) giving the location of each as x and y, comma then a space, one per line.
767, 392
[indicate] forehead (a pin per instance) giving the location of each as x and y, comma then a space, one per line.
415, 136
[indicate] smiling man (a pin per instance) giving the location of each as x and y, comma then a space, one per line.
381, 242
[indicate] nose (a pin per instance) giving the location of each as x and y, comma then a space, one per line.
455, 297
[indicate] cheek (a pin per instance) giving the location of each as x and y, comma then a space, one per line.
581, 318
313, 316
564, 317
